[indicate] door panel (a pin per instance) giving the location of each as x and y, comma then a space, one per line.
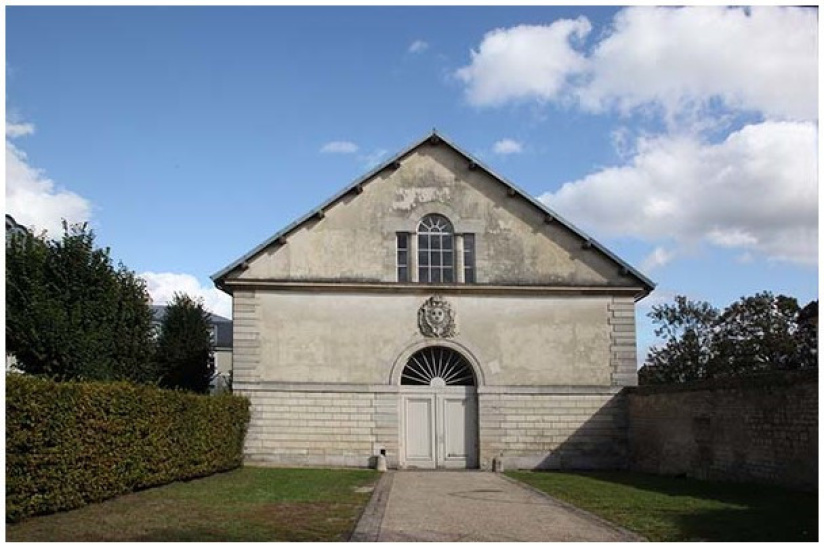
419, 415
454, 427
459, 434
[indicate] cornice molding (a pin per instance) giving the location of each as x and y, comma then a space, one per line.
414, 288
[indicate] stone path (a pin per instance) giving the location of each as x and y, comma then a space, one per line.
473, 506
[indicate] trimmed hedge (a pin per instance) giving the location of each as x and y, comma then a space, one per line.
70, 444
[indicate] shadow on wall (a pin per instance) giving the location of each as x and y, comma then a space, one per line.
600, 442
567, 433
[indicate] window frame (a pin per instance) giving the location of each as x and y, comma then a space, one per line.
436, 250
469, 256
402, 267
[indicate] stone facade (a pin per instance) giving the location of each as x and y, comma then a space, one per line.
324, 329
584, 429
761, 429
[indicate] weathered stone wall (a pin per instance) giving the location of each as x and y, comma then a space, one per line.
338, 337
348, 425
355, 239
335, 426
530, 430
323, 381
763, 429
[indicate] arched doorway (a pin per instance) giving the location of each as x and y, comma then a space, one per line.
439, 411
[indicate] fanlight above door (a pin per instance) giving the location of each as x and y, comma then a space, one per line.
437, 367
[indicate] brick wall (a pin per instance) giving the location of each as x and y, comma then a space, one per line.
761, 429
553, 431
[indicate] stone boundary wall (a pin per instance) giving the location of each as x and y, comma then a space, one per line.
758, 429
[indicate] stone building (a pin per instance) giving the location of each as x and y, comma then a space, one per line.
433, 311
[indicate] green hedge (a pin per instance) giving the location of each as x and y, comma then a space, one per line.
70, 444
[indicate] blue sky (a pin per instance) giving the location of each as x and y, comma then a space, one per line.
683, 139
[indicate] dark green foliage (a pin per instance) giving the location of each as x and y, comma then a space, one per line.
687, 328
756, 334
184, 348
71, 315
69, 444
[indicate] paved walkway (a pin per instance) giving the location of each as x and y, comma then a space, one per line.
473, 506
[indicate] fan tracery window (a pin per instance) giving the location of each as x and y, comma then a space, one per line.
437, 367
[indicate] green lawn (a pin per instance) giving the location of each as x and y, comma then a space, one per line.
681, 509
248, 504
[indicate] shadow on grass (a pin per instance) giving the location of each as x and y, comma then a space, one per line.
753, 524
683, 509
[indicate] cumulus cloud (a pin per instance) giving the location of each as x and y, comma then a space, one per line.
418, 46
339, 147
507, 146
524, 62
163, 286
762, 59
756, 191
33, 199
675, 60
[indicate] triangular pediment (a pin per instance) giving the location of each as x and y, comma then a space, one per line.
351, 238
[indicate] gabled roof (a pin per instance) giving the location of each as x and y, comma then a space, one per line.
435, 137
223, 325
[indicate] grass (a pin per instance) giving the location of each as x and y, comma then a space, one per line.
247, 504
681, 509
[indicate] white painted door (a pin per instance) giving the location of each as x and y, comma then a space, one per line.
440, 429
457, 449
419, 416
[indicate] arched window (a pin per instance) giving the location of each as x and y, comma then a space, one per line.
436, 250
437, 367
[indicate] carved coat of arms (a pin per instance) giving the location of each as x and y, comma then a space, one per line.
436, 318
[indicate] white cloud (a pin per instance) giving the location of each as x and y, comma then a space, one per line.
755, 191
163, 286
418, 46
659, 257
676, 60
524, 62
339, 147
762, 59
18, 130
507, 146
32, 198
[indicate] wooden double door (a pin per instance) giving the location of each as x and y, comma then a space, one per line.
439, 428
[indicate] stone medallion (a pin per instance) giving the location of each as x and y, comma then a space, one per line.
436, 318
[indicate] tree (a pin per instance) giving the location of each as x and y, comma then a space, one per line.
807, 337
755, 334
71, 315
184, 346
687, 354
